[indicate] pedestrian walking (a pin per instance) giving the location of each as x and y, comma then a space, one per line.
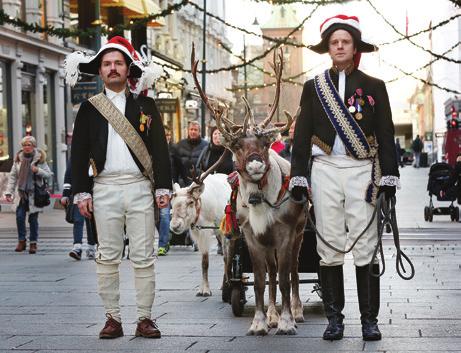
121, 136
417, 146
189, 150
28, 171
345, 126
399, 151
79, 221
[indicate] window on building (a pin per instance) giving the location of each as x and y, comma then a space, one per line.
5, 137
49, 120
28, 73
43, 18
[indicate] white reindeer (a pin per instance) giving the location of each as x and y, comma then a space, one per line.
201, 205
272, 223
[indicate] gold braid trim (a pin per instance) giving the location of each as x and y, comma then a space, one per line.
322, 145
93, 167
126, 131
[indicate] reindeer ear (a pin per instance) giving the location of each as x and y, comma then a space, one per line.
176, 187
196, 190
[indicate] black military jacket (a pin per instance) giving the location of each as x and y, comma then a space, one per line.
313, 125
89, 142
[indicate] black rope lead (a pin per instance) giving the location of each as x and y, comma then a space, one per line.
385, 209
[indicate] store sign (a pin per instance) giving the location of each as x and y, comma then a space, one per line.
167, 105
83, 91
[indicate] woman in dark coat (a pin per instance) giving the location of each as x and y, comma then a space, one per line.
211, 154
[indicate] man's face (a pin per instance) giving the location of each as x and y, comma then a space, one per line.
193, 132
113, 69
341, 47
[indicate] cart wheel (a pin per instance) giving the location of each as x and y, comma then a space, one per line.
237, 301
430, 215
426, 213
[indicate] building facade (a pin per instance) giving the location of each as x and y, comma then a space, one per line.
32, 88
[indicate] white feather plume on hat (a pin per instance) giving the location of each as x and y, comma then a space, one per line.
71, 68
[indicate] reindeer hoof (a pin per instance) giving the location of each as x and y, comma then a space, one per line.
203, 294
299, 319
287, 331
261, 332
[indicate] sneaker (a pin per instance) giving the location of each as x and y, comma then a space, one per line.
76, 252
90, 254
161, 251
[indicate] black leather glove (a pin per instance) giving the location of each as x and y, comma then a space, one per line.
299, 193
388, 191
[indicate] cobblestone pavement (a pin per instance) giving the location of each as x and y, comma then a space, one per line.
48, 301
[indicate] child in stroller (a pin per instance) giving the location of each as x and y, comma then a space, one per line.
443, 184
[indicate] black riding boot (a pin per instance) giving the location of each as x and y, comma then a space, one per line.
368, 293
332, 282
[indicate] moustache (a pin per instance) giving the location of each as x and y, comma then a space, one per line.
113, 73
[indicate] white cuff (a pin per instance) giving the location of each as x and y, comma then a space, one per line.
162, 192
81, 196
390, 180
298, 181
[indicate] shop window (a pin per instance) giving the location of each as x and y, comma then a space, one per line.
5, 133
27, 99
49, 120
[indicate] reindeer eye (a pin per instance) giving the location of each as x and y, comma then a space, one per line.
190, 203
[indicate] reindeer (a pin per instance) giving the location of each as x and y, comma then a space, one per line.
199, 208
271, 222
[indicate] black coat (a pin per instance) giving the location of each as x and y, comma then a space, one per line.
188, 153
89, 143
313, 125
210, 156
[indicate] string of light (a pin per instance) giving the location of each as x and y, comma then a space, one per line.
412, 42
426, 65
89, 32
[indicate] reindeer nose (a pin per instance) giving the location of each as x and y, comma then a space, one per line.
254, 157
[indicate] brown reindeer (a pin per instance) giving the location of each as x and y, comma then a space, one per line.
273, 224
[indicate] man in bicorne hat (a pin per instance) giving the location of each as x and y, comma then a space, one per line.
345, 129
119, 139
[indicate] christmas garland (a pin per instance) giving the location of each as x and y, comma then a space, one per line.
89, 32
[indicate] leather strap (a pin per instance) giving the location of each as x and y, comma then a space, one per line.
126, 131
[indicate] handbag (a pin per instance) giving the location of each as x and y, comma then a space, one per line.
41, 194
70, 211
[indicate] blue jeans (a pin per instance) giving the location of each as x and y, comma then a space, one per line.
417, 157
21, 212
78, 228
164, 227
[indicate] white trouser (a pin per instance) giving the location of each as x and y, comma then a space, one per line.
338, 195
117, 206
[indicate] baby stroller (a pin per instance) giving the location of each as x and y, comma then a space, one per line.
442, 184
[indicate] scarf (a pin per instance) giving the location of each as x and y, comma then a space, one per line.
25, 177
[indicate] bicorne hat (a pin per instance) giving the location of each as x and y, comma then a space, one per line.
141, 74
348, 23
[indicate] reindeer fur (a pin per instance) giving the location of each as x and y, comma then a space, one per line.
212, 195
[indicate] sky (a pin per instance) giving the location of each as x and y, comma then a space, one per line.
402, 54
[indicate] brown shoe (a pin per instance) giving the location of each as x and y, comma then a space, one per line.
147, 328
33, 248
21, 246
112, 329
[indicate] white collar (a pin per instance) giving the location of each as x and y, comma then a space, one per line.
112, 94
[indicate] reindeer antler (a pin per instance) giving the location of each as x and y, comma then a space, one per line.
278, 68
216, 113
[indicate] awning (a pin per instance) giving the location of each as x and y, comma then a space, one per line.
131, 9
